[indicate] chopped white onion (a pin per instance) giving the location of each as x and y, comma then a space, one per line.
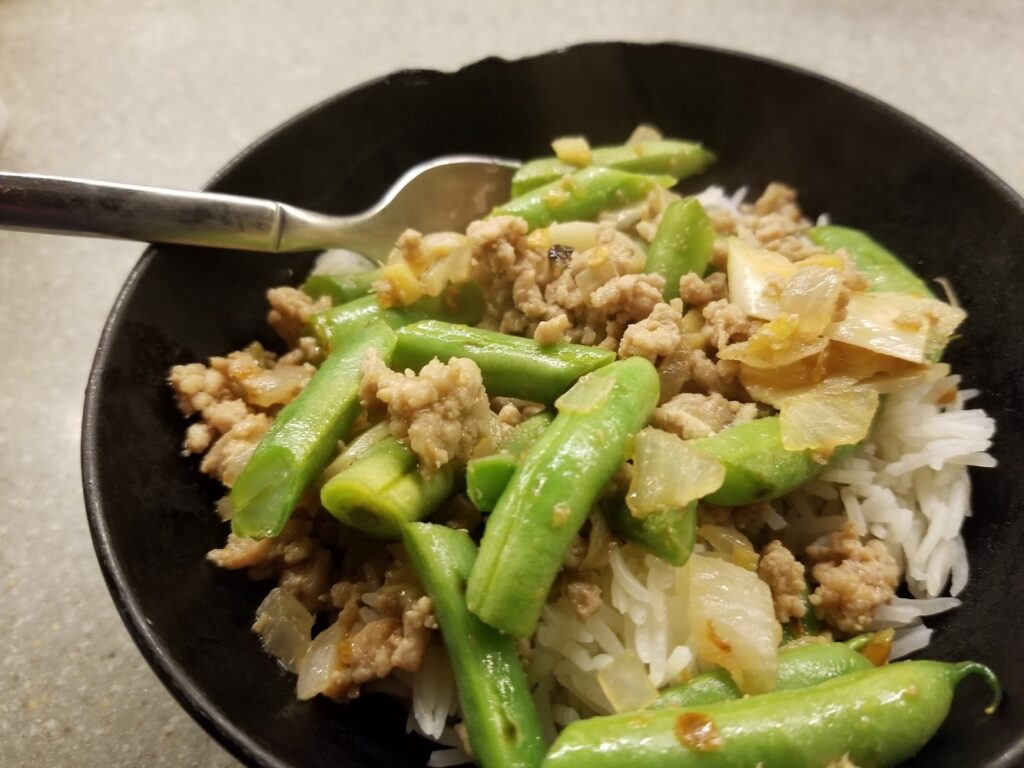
669, 473
812, 296
319, 662
731, 614
284, 626
756, 278
826, 416
585, 395
624, 681
897, 325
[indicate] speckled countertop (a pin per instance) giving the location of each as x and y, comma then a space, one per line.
163, 92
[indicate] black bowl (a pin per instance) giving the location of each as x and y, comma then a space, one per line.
868, 165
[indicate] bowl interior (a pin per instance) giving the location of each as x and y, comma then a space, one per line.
868, 166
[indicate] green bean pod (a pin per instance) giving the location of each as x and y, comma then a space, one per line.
757, 466
799, 667
501, 719
581, 196
554, 487
875, 717
341, 288
384, 488
487, 476
511, 365
682, 244
303, 437
669, 533
663, 157
884, 270
457, 304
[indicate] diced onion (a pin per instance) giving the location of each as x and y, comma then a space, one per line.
320, 661
831, 414
284, 626
668, 473
626, 684
731, 614
775, 344
572, 149
897, 324
812, 296
733, 545
756, 278
585, 395
276, 386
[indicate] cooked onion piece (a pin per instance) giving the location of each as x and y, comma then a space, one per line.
731, 614
427, 268
668, 473
836, 412
898, 325
775, 344
624, 681
320, 661
757, 278
812, 296
284, 626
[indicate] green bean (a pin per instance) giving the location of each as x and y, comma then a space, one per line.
757, 467
799, 667
669, 533
501, 719
511, 366
664, 157
457, 304
487, 476
360, 445
553, 489
874, 717
384, 488
884, 271
581, 196
681, 245
341, 288
304, 435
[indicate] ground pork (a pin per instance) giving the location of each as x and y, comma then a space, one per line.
383, 625
693, 415
290, 310
296, 558
784, 575
442, 412
584, 597
696, 291
235, 397
853, 578
726, 323
225, 459
538, 289
690, 369
774, 222
657, 335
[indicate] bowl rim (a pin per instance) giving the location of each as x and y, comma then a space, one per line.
175, 679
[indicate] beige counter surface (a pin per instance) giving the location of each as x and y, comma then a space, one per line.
164, 92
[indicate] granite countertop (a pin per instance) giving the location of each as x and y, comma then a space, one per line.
163, 93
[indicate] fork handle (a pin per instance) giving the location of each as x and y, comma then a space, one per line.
68, 206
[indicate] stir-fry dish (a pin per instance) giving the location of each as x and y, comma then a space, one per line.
615, 477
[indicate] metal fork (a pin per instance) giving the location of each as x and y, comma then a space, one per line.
443, 194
